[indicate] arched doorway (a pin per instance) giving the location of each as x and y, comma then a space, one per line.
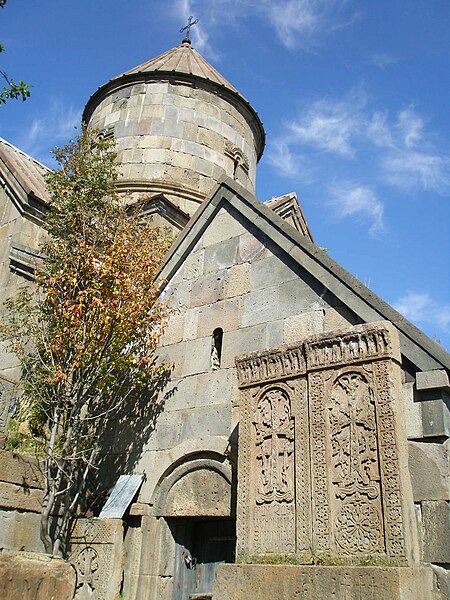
196, 501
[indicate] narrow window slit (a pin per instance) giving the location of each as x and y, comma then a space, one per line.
216, 348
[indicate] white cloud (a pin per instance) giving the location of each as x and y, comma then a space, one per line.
280, 156
297, 23
55, 127
421, 308
410, 126
305, 22
418, 170
353, 200
382, 60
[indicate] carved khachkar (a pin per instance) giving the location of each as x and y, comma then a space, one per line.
273, 501
96, 548
329, 407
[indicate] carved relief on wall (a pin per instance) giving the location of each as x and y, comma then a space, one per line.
354, 456
274, 428
322, 447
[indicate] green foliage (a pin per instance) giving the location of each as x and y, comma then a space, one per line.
12, 91
86, 337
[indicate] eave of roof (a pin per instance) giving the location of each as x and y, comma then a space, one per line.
418, 348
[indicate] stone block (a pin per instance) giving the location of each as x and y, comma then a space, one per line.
274, 334
238, 280
251, 249
224, 227
224, 314
197, 357
191, 323
270, 270
204, 389
286, 582
202, 493
207, 420
435, 419
242, 341
167, 432
174, 330
20, 531
208, 289
429, 469
413, 412
178, 294
221, 255
338, 318
298, 327
20, 469
17, 497
30, 576
297, 297
435, 531
172, 355
193, 265
260, 307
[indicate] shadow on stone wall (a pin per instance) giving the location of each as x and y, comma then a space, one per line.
123, 439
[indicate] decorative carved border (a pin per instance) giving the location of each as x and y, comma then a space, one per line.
270, 365
389, 462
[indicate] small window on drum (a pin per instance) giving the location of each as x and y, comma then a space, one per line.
216, 349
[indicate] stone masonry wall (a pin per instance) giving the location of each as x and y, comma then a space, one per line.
181, 136
231, 280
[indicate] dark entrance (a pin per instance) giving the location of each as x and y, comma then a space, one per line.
201, 544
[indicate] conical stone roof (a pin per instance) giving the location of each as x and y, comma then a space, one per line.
181, 64
182, 59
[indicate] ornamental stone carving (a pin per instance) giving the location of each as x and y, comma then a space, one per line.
322, 449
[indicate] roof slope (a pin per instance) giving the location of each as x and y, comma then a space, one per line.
182, 59
29, 173
423, 353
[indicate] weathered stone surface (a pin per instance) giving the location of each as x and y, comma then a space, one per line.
30, 576
429, 469
270, 270
16, 497
197, 357
20, 531
427, 380
435, 531
208, 290
435, 418
260, 307
224, 314
413, 412
330, 407
20, 469
222, 255
96, 553
266, 582
299, 327
199, 493
238, 280
213, 420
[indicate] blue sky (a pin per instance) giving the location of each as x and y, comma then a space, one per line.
354, 97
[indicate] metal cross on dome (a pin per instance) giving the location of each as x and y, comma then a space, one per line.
187, 28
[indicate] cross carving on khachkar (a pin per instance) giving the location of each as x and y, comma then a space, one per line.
191, 22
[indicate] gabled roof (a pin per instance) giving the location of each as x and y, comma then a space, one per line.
23, 179
289, 209
421, 352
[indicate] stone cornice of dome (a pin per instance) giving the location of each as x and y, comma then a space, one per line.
216, 85
158, 187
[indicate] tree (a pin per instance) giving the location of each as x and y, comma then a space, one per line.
86, 336
12, 90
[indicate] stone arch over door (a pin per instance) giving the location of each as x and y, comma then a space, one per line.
200, 486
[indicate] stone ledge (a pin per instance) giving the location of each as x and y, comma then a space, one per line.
285, 582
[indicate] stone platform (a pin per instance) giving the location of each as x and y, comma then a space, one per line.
304, 582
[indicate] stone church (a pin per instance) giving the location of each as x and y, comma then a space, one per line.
305, 425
